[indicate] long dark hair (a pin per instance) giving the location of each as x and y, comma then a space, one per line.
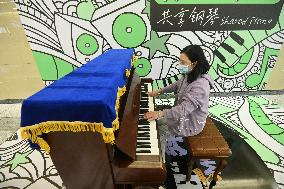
195, 54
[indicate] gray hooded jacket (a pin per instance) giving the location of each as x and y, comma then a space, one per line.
188, 117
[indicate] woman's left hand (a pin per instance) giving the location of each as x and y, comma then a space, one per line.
150, 116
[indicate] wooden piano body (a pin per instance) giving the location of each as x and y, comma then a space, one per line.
83, 160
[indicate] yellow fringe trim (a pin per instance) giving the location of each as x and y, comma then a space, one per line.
127, 73
33, 132
134, 59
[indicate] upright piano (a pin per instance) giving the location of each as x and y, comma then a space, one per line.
85, 161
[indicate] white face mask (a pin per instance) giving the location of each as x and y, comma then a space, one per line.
183, 69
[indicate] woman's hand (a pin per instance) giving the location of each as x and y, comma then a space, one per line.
153, 93
150, 116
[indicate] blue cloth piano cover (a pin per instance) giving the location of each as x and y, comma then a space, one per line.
87, 94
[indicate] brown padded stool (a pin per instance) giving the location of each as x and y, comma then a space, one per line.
208, 144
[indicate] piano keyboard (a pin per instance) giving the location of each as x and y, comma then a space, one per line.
147, 136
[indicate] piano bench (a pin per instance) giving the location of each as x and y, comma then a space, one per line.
209, 144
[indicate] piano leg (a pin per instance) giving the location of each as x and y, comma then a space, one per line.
190, 166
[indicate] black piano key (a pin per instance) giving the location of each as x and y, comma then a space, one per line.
143, 134
143, 129
144, 102
143, 151
143, 146
140, 143
143, 125
143, 138
143, 122
144, 105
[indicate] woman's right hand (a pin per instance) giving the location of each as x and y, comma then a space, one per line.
153, 93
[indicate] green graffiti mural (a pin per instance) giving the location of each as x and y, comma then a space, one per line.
129, 30
157, 43
217, 2
242, 42
142, 67
87, 44
67, 34
263, 120
85, 9
256, 79
219, 110
56, 67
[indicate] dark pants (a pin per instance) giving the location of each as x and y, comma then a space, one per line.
176, 157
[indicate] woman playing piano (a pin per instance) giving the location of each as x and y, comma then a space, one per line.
189, 115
